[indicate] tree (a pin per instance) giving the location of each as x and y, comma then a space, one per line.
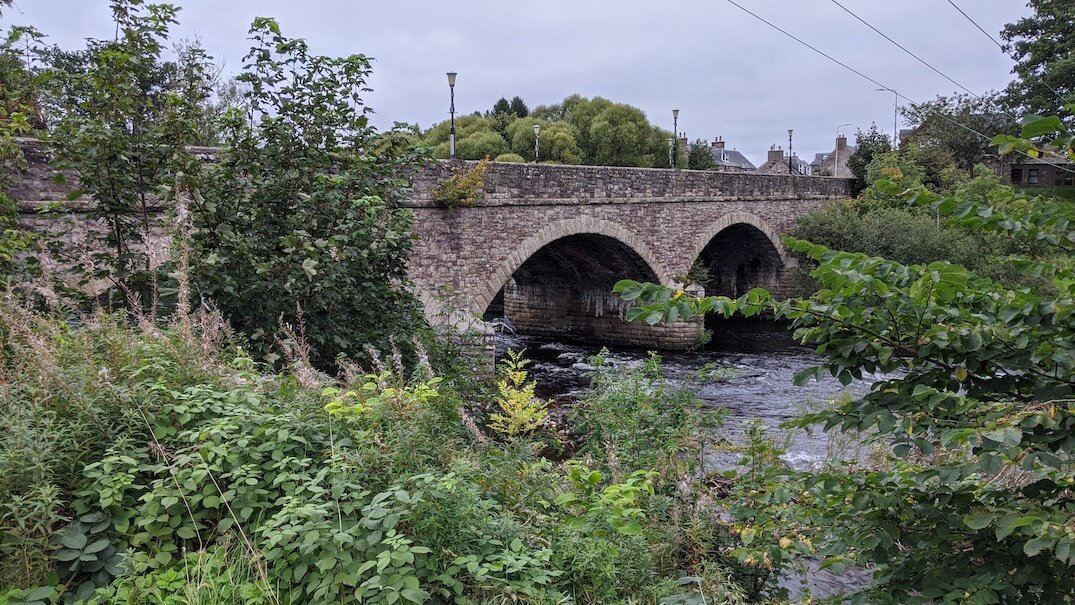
123, 124
867, 145
699, 156
619, 135
953, 124
295, 223
557, 142
1043, 46
480, 144
501, 106
519, 108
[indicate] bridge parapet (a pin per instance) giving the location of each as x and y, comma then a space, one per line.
511, 184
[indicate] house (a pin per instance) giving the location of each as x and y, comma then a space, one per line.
1045, 171
777, 163
728, 160
825, 163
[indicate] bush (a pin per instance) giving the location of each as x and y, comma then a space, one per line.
295, 228
512, 158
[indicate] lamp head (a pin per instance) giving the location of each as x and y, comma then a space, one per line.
451, 79
675, 114
537, 129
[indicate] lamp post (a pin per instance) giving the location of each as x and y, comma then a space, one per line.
895, 108
836, 160
675, 137
790, 171
671, 143
451, 110
537, 139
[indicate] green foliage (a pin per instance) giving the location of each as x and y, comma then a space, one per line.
520, 411
976, 413
480, 145
212, 482
125, 121
1042, 45
576, 131
518, 107
294, 224
868, 145
920, 237
511, 158
613, 507
949, 124
462, 188
217, 576
557, 142
699, 157
637, 420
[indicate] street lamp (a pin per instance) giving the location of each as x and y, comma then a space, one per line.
537, 138
836, 160
675, 135
790, 171
671, 144
895, 108
451, 132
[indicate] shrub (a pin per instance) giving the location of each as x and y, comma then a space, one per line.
462, 189
294, 225
512, 158
520, 411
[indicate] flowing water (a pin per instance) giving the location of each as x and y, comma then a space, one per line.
747, 370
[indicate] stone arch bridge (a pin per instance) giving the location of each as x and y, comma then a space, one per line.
548, 242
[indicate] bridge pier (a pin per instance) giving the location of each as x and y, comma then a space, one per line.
594, 316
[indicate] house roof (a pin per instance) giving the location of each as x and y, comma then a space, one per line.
731, 158
781, 166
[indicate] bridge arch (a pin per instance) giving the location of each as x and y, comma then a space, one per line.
740, 251
558, 230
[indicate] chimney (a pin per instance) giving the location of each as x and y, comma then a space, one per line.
776, 154
718, 143
841, 143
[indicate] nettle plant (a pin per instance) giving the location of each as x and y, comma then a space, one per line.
975, 501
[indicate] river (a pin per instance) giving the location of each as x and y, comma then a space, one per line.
747, 370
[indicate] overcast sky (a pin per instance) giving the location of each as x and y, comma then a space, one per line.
729, 74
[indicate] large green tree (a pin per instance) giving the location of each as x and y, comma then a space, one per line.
868, 145
557, 142
295, 223
961, 125
699, 157
1043, 46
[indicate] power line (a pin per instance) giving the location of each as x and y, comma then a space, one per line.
904, 49
871, 80
975, 23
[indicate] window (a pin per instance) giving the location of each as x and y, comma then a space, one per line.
1032, 176
1017, 176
